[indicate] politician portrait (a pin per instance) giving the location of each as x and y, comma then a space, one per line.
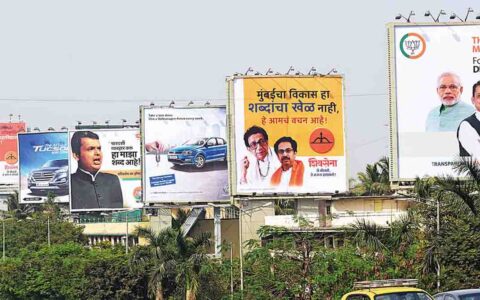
91, 188
452, 110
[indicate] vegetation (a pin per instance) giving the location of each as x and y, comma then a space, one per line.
287, 265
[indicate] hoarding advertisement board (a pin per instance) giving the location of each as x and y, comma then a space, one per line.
43, 159
185, 154
9, 152
105, 168
435, 67
289, 136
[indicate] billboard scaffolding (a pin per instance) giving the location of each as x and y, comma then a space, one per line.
105, 167
287, 135
43, 161
432, 71
185, 154
9, 151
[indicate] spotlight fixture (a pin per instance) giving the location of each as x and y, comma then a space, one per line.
237, 74
269, 71
79, 122
190, 103
10, 115
94, 122
332, 71
257, 73
313, 71
107, 122
298, 73
152, 104
429, 14
248, 70
36, 129
290, 70
51, 129
64, 128
207, 103
454, 16
124, 121
400, 16
172, 104
137, 122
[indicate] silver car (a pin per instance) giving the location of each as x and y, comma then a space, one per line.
470, 294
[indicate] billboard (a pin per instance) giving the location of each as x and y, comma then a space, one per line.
185, 154
432, 70
9, 152
288, 135
105, 167
43, 161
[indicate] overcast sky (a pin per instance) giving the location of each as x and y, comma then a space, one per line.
63, 61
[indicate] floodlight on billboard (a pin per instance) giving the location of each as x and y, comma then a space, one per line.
433, 70
9, 152
185, 154
105, 167
43, 160
288, 135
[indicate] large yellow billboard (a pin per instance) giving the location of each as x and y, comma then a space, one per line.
288, 135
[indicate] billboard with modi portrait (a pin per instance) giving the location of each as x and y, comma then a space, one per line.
434, 69
288, 135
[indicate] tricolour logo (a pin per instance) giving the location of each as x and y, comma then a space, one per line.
412, 45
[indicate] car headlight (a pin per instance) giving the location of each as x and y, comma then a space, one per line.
61, 176
187, 152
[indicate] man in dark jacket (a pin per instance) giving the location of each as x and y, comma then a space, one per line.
92, 189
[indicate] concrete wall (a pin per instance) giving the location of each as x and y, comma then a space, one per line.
229, 233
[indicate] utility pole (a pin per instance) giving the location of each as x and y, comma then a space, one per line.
126, 233
3, 231
48, 230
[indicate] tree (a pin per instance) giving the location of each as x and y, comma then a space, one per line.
375, 180
456, 248
173, 261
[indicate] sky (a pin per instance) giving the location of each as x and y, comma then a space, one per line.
67, 61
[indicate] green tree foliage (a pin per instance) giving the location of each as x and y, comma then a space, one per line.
375, 180
70, 271
457, 246
174, 263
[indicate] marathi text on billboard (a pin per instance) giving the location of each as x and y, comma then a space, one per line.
289, 136
105, 168
185, 154
43, 160
435, 69
9, 152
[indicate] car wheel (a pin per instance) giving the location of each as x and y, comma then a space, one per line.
199, 161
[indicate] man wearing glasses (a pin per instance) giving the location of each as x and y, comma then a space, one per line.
259, 165
291, 171
452, 110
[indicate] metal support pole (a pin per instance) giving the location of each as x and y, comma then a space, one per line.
241, 248
3, 231
231, 270
48, 230
438, 235
217, 230
126, 233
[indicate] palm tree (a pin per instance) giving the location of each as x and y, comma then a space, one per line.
375, 180
172, 260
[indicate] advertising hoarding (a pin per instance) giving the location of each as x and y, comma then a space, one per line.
433, 68
9, 152
43, 161
185, 154
105, 167
288, 135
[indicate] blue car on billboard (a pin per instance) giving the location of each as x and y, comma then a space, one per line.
197, 152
